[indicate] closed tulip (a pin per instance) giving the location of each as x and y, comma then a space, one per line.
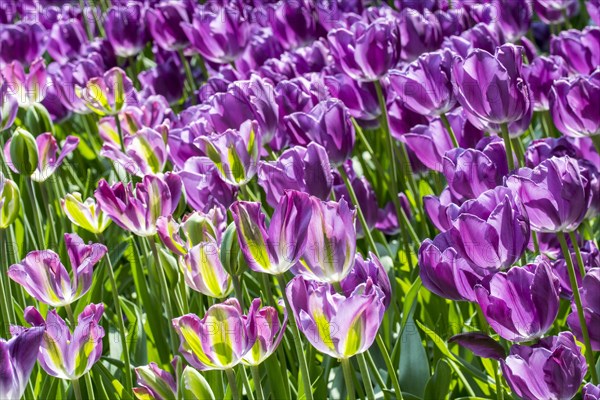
85, 214
590, 297
540, 76
18, 357
127, 32
10, 201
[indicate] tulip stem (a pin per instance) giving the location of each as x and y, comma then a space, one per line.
76, 389
120, 132
507, 144
237, 288
347, 369
256, 379
364, 372
596, 141
235, 394
120, 323
246, 382
444, 119
361, 216
188, 74
580, 262
36, 212
498, 381
390, 367
577, 297
297, 341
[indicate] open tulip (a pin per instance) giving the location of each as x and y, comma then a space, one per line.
10, 201
109, 94
44, 277
18, 357
590, 296
269, 332
555, 194
65, 354
337, 325
276, 249
365, 270
220, 339
551, 369
27, 88
521, 304
85, 214
138, 211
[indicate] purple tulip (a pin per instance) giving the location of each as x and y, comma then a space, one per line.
419, 34
328, 124
138, 212
555, 11
425, 85
551, 369
359, 97
452, 22
204, 188
22, 42
276, 249
542, 149
204, 272
220, 339
555, 194
65, 354
513, 17
579, 49
491, 87
28, 88
44, 277
330, 242
67, 40
165, 79
165, 22
401, 119
482, 36
431, 142
219, 37
18, 357
108, 94
293, 23
155, 383
368, 270
591, 259
8, 105
262, 45
437, 208
127, 32
269, 332
573, 105
521, 304
480, 344
387, 218
366, 52
590, 299
444, 272
589, 391
593, 7
540, 76
145, 153
334, 324
492, 231
298, 168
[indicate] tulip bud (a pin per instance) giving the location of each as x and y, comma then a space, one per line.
38, 120
9, 201
24, 152
85, 214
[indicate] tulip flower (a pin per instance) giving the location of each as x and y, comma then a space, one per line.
155, 383
165, 21
276, 249
359, 97
22, 42
109, 94
365, 270
220, 339
44, 277
298, 168
521, 304
444, 272
513, 17
419, 33
334, 324
269, 332
593, 7
492, 231
480, 344
579, 49
220, 36
37, 157
555, 11
551, 369
590, 297
27, 88
85, 214
555, 194
235, 153
204, 187
10, 201
67, 40
330, 242
65, 354
204, 272
18, 357
366, 52
294, 23
540, 76
425, 85
573, 103
491, 87
591, 259
138, 211
589, 391
8, 105
127, 33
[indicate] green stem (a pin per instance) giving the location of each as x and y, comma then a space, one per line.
376, 374
120, 323
536, 243
76, 389
88, 386
232, 384
364, 372
390, 367
188, 74
577, 297
361, 216
596, 141
297, 341
390, 139
237, 288
347, 369
256, 379
509, 152
245, 382
580, 262
120, 132
36, 212
498, 381
444, 119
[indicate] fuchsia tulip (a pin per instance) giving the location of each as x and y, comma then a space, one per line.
334, 324
17, 359
276, 249
138, 211
44, 277
65, 354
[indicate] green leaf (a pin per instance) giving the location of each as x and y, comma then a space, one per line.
438, 386
410, 298
414, 365
194, 386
